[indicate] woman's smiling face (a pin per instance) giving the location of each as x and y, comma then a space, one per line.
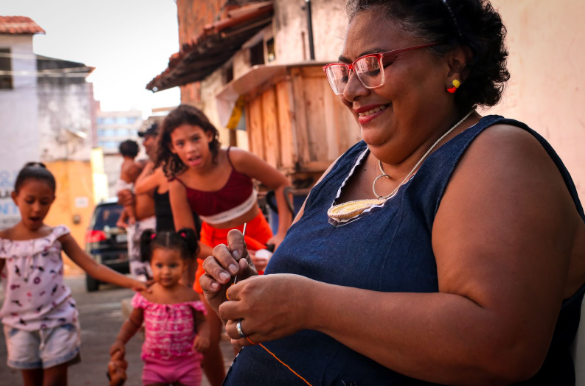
397, 117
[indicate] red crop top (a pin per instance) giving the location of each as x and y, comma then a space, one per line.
235, 192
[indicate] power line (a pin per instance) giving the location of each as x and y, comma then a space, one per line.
41, 73
33, 56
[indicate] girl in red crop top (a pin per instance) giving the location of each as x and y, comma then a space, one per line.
216, 184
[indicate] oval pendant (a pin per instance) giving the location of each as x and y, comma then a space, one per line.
352, 208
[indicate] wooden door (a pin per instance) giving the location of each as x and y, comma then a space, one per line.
325, 127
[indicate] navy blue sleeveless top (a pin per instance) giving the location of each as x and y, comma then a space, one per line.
387, 250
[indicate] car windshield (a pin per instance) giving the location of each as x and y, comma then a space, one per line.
106, 215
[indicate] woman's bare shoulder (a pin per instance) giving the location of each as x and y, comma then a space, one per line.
506, 136
509, 151
503, 177
160, 174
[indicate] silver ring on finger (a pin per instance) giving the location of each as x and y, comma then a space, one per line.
239, 329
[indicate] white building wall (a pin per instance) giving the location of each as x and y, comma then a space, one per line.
112, 166
210, 86
547, 63
291, 32
241, 63
18, 120
64, 125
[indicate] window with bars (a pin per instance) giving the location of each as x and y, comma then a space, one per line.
257, 54
5, 69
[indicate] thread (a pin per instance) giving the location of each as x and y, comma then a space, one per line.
260, 344
281, 362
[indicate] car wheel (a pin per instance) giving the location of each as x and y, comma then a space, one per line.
91, 284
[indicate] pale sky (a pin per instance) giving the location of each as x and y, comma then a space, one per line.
128, 41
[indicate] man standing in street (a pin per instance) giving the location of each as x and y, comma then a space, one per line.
144, 209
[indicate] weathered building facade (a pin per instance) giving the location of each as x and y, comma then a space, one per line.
46, 112
260, 54
18, 106
546, 90
66, 122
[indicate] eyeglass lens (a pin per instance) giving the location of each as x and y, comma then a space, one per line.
367, 69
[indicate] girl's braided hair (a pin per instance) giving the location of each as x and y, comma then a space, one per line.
185, 240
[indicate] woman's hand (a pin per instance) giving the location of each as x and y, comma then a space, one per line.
227, 261
268, 307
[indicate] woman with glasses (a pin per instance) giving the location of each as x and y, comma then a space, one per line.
445, 248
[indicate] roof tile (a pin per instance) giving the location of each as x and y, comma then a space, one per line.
19, 25
211, 32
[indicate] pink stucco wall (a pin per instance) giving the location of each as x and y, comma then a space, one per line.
546, 40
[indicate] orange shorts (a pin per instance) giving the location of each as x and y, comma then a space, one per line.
258, 233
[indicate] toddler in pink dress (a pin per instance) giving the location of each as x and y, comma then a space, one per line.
176, 331
168, 351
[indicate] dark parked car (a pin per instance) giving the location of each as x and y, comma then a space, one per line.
105, 242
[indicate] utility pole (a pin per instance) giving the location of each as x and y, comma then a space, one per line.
310, 29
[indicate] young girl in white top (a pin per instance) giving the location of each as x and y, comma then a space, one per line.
39, 315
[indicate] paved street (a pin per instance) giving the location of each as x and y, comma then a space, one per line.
100, 317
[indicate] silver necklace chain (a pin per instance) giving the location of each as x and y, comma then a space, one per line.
384, 175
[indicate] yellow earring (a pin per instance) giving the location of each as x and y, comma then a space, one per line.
456, 85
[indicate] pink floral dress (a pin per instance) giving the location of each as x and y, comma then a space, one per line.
170, 328
35, 296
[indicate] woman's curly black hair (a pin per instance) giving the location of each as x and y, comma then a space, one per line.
184, 240
472, 23
184, 114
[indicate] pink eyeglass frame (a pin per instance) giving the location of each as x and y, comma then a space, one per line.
350, 67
